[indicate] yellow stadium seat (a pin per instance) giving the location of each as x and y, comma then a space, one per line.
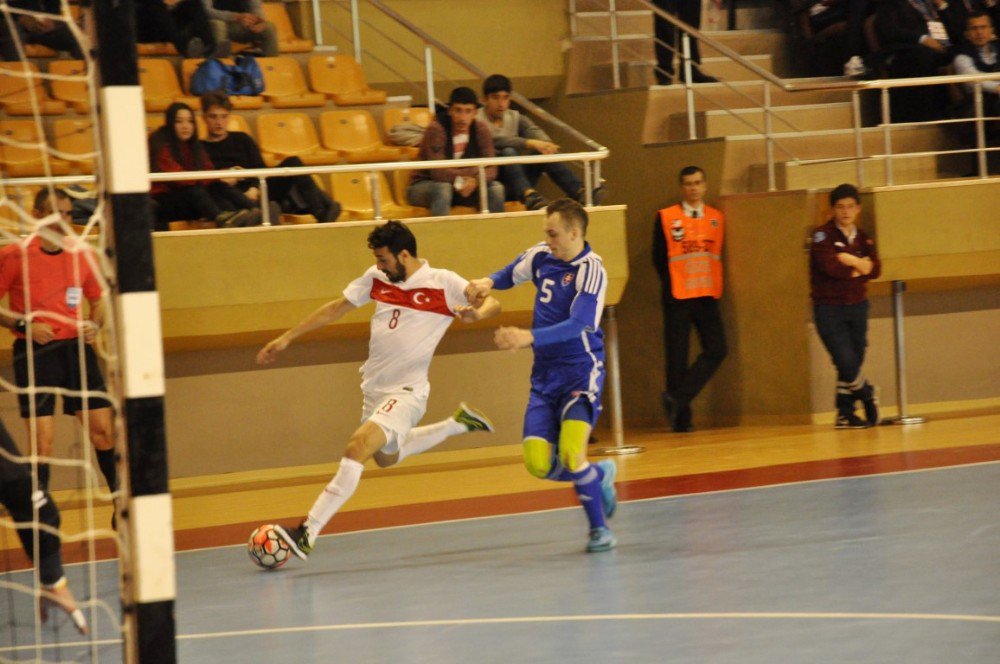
354, 136
285, 85
75, 139
286, 134
418, 115
236, 123
17, 161
341, 78
17, 197
73, 92
354, 193
38, 51
154, 49
288, 41
160, 87
16, 91
240, 102
153, 122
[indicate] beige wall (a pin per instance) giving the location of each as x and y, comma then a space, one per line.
519, 38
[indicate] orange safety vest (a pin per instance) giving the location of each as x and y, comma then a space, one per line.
694, 252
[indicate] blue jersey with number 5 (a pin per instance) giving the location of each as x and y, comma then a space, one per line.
568, 304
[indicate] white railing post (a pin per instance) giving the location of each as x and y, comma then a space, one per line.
356, 29
898, 287
616, 76
265, 208
376, 194
689, 90
980, 129
588, 185
429, 72
887, 136
769, 138
484, 204
859, 147
317, 23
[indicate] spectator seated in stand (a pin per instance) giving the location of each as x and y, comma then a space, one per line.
980, 54
514, 134
183, 23
455, 134
175, 147
917, 38
296, 194
36, 30
241, 21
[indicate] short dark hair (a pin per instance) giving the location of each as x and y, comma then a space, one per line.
394, 235
571, 212
690, 170
463, 95
496, 83
215, 98
844, 191
977, 14
42, 197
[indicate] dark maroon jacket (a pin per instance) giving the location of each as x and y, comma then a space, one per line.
831, 280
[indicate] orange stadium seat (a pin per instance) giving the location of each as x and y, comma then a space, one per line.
38, 51
73, 92
418, 115
160, 86
291, 134
17, 90
354, 136
16, 197
354, 193
236, 123
154, 49
341, 78
285, 85
18, 161
75, 139
240, 102
153, 122
288, 41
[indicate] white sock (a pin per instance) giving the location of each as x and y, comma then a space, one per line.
424, 438
334, 495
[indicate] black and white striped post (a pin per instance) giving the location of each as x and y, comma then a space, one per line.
149, 582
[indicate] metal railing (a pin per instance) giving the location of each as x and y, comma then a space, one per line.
769, 80
430, 46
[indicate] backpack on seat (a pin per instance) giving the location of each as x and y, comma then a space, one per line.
243, 77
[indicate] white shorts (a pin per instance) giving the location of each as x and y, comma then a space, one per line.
395, 413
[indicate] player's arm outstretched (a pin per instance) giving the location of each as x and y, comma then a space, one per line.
480, 308
325, 315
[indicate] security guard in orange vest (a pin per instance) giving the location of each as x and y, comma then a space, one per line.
687, 254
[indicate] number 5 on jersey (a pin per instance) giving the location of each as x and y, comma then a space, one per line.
546, 288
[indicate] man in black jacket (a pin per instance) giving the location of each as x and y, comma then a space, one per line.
295, 194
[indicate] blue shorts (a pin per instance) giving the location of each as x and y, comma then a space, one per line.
555, 388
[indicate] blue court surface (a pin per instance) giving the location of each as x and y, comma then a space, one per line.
890, 568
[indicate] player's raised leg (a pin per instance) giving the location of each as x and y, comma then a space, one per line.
465, 420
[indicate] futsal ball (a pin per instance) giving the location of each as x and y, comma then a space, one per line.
267, 549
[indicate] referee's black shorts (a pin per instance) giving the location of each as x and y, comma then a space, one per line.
57, 364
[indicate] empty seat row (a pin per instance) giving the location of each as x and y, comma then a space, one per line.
336, 77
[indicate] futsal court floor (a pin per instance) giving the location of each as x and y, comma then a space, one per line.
768, 544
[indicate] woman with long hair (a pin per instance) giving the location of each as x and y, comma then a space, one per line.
175, 148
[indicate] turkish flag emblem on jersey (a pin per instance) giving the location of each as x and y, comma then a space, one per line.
431, 300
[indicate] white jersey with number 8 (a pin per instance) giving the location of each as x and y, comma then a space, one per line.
409, 320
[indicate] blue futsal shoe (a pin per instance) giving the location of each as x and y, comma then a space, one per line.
601, 539
609, 495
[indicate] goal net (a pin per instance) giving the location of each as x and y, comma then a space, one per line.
68, 548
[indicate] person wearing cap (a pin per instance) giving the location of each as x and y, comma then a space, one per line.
49, 279
456, 134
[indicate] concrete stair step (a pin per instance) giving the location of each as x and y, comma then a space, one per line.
805, 117
790, 175
742, 151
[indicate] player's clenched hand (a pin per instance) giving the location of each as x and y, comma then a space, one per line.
512, 338
467, 313
477, 290
42, 333
270, 352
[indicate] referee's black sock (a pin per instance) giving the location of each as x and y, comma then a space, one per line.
106, 460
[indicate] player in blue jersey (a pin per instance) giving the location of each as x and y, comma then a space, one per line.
568, 372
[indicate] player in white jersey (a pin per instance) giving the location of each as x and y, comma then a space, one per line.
414, 305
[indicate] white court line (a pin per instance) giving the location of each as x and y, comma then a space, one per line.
621, 617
